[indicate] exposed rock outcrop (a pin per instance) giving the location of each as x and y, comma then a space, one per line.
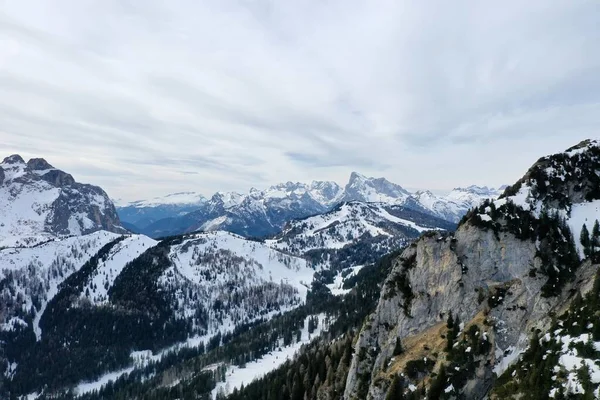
507, 266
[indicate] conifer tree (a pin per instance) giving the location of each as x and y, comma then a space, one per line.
398, 347
595, 238
438, 384
450, 321
584, 238
395, 391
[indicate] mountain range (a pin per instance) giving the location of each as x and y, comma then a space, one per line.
264, 213
71, 274
369, 298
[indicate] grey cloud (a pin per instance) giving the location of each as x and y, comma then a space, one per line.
329, 160
153, 97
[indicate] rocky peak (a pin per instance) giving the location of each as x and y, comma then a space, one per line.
426, 193
356, 177
38, 164
559, 180
13, 159
227, 199
58, 178
361, 188
41, 202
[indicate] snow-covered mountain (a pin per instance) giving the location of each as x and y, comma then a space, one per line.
31, 276
257, 213
352, 222
265, 212
452, 206
73, 282
380, 190
40, 203
112, 294
233, 279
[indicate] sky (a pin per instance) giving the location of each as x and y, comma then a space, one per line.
146, 98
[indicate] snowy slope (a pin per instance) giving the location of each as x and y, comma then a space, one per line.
233, 279
583, 214
32, 275
103, 278
351, 221
237, 376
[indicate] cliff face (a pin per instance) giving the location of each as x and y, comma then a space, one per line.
504, 273
460, 275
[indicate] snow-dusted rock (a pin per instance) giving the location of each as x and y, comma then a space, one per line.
40, 203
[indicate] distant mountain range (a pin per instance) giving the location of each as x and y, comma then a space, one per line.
262, 213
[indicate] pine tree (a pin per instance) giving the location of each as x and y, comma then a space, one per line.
595, 238
395, 391
584, 238
438, 384
450, 321
398, 347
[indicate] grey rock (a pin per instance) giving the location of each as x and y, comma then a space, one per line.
358, 186
13, 159
58, 178
447, 276
38, 164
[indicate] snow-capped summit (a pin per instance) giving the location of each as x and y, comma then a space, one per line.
228, 199
362, 188
40, 202
455, 204
325, 193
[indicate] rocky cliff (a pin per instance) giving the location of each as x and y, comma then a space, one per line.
457, 309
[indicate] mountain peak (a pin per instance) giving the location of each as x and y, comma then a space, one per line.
38, 164
356, 176
583, 145
13, 159
367, 189
41, 202
420, 193
561, 179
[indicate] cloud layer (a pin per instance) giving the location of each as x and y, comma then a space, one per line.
147, 98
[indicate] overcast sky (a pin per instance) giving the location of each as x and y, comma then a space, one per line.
151, 97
